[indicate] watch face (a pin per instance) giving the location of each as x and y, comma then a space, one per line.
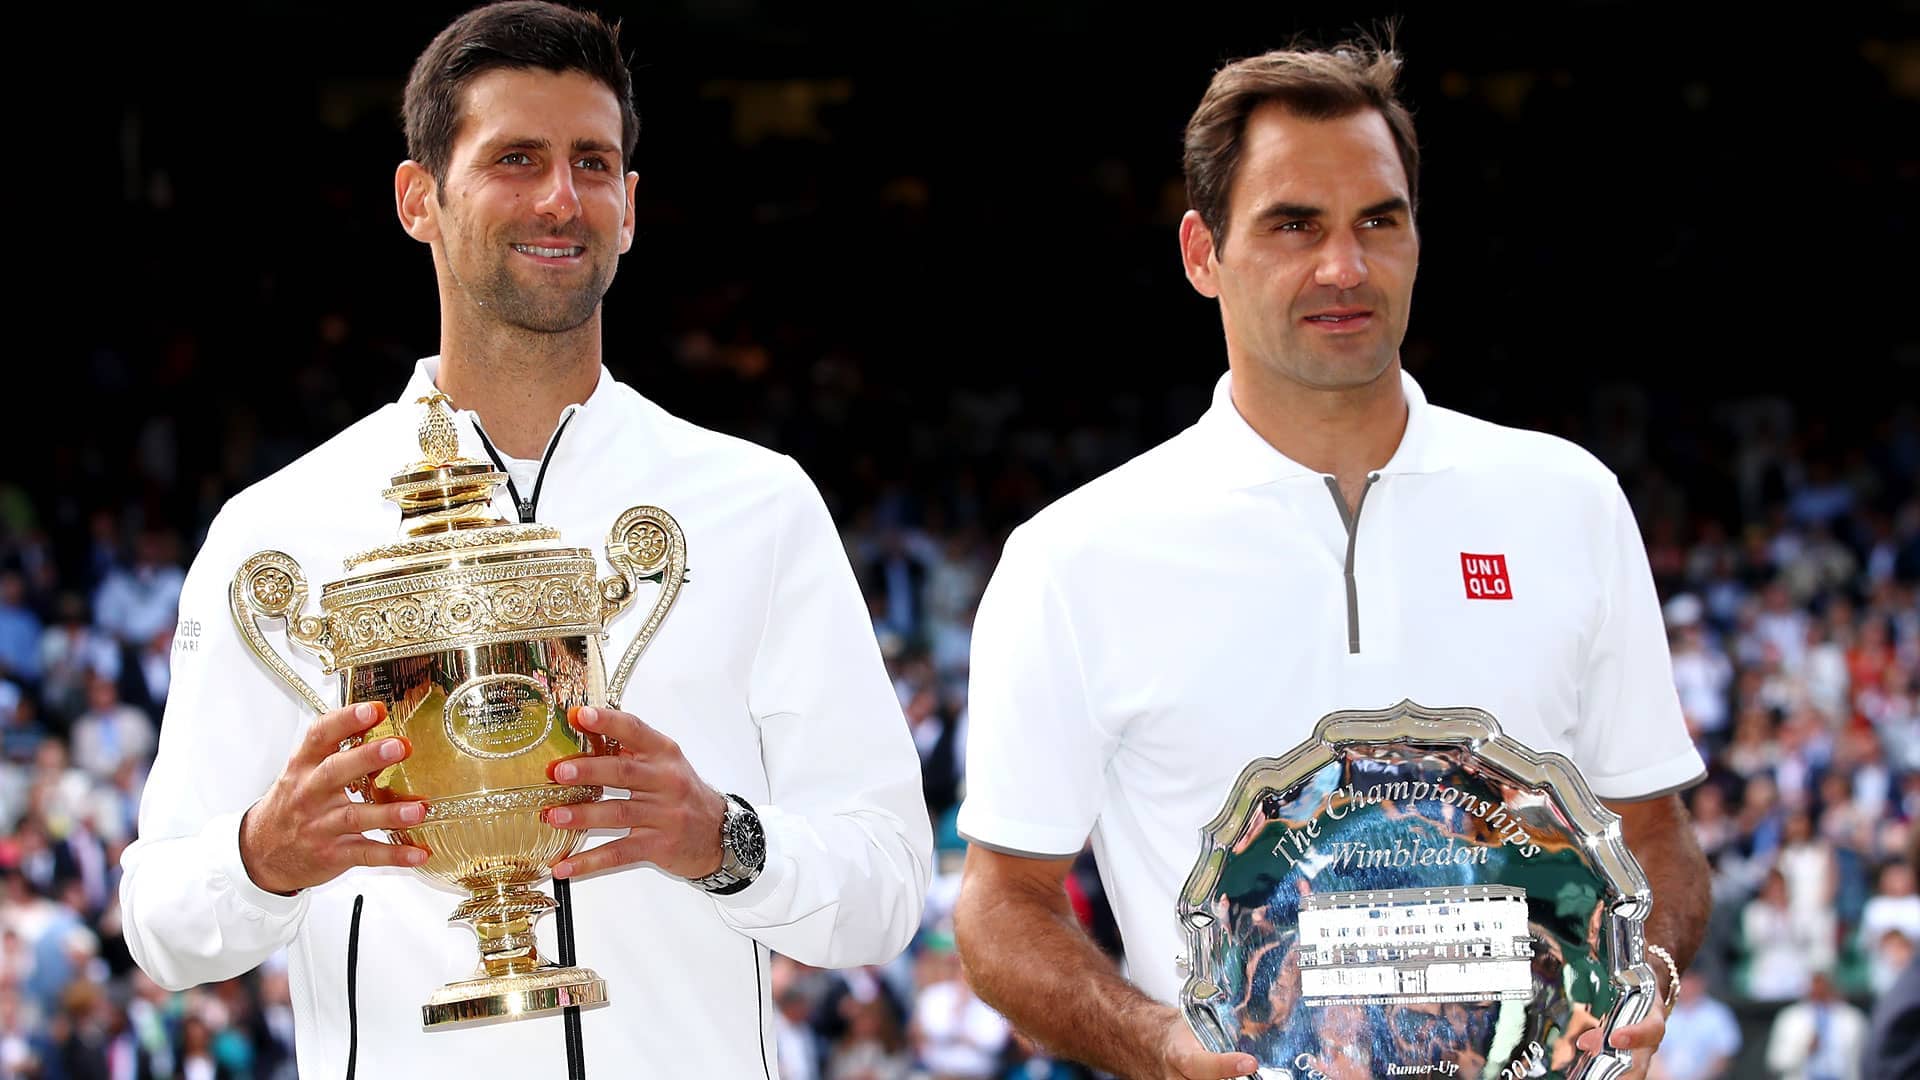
747, 840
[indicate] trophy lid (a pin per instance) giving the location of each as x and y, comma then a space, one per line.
459, 575
446, 500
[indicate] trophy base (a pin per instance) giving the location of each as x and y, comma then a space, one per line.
512, 997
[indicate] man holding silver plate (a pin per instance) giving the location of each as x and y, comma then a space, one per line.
690, 728
1365, 704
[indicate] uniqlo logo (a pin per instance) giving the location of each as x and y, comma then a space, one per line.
1486, 576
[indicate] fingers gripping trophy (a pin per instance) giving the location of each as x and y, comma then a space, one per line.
476, 636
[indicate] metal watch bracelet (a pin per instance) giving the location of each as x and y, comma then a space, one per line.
743, 850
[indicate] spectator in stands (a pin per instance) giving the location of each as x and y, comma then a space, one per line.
1821, 1038
1893, 1043
873, 1047
1702, 1035
19, 632
72, 652
956, 1036
110, 732
1779, 949
138, 601
796, 1047
1890, 924
1702, 674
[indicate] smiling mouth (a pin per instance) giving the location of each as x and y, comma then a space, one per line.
549, 252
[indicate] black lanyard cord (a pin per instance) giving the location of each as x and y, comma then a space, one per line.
528, 505
562, 888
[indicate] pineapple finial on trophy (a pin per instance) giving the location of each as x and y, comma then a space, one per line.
444, 490
439, 439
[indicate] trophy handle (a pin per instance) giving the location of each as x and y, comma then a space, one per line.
645, 544
270, 586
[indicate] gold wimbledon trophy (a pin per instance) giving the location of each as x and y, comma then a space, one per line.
478, 635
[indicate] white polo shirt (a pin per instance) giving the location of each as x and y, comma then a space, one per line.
1148, 635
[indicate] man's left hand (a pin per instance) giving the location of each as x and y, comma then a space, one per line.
1642, 1038
671, 816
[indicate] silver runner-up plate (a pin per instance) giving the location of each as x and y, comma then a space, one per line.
1411, 893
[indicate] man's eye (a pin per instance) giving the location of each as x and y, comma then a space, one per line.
516, 158
592, 163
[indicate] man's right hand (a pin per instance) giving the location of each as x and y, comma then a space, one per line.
1183, 1058
305, 831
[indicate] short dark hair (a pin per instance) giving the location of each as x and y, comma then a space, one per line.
1317, 84
519, 34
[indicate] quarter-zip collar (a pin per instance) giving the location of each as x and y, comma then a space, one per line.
614, 423
426, 380
1243, 459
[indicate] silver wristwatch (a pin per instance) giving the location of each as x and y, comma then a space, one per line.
743, 850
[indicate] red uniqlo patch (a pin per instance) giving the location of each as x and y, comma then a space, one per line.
1486, 576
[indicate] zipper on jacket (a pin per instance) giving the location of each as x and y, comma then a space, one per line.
1351, 519
531, 502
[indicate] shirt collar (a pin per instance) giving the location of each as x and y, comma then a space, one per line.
1243, 459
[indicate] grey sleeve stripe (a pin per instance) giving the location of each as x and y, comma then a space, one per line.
1673, 789
1004, 850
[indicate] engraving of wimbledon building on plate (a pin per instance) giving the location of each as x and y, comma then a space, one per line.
1397, 946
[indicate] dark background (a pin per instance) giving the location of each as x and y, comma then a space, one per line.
889, 204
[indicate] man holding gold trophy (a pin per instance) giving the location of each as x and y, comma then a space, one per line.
1386, 686
693, 724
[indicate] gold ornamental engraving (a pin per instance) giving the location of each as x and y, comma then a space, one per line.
648, 543
492, 538
511, 801
499, 716
272, 586
511, 601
